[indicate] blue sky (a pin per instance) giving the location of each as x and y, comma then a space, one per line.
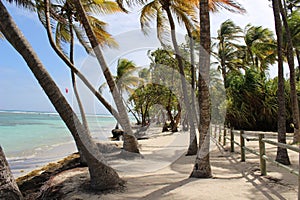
20, 91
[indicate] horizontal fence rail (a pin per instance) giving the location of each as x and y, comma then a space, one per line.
262, 138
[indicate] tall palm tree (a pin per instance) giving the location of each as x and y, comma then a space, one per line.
291, 63
185, 13
227, 53
130, 143
8, 186
282, 155
102, 176
202, 168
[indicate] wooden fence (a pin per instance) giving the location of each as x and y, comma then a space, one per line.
223, 134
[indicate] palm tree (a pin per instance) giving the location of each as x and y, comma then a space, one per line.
126, 80
8, 186
228, 50
260, 46
202, 168
65, 29
102, 176
183, 11
293, 23
130, 142
73, 68
290, 59
282, 155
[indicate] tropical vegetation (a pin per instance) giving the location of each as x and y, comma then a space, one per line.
234, 64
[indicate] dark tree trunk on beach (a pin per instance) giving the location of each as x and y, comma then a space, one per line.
192, 150
9, 189
291, 63
102, 176
202, 168
282, 155
130, 143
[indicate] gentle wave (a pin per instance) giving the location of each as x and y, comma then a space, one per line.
28, 112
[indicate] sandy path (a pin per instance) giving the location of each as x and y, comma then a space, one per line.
232, 179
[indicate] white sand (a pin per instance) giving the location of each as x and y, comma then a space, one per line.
164, 172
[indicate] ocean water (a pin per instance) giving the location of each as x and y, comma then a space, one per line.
29, 137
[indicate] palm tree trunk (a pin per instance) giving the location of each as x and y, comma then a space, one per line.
298, 57
202, 168
291, 63
8, 186
130, 143
81, 109
177, 117
134, 115
192, 150
282, 155
102, 176
75, 70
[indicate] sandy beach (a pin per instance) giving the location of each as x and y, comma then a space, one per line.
163, 173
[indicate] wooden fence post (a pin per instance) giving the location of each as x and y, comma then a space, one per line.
262, 152
224, 136
231, 140
220, 136
215, 131
243, 156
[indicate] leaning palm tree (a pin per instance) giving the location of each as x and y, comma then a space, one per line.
64, 32
130, 143
102, 176
8, 186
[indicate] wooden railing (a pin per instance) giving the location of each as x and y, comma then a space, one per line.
220, 133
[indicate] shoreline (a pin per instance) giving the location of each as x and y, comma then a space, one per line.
21, 166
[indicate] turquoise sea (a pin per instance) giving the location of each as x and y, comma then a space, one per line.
30, 139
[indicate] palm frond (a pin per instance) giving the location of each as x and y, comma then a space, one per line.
30, 5
229, 5
102, 7
148, 14
130, 3
187, 19
81, 36
104, 38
